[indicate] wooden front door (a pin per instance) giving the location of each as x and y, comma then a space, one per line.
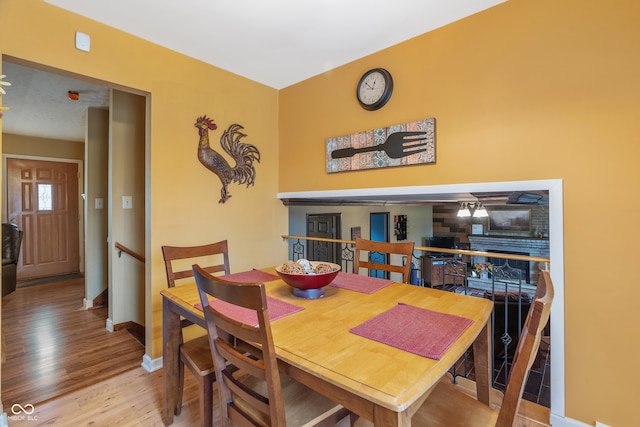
43, 201
326, 226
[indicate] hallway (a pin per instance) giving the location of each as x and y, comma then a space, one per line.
53, 346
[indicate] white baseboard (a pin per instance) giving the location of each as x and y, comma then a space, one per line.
150, 364
557, 421
109, 325
87, 304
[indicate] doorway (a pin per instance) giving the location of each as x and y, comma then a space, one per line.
105, 131
324, 226
379, 232
97, 203
42, 202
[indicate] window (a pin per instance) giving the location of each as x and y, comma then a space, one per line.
45, 197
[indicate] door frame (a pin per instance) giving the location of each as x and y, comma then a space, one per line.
80, 194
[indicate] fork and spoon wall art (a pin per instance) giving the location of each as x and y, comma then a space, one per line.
399, 145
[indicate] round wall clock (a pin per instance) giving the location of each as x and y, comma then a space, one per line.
374, 89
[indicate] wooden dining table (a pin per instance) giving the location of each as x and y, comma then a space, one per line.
376, 381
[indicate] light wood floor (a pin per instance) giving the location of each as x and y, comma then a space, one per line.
133, 398
54, 346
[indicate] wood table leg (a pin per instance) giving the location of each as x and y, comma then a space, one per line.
171, 336
384, 417
482, 364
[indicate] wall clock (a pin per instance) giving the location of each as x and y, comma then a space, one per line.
374, 89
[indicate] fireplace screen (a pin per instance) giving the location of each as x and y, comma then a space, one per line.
513, 263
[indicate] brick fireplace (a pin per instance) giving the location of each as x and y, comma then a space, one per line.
512, 244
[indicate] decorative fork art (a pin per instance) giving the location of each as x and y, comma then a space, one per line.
399, 145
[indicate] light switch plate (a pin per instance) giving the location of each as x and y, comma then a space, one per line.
83, 41
127, 203
99, 203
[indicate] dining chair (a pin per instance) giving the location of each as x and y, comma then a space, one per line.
449, 406
195, 353
388, 248
251, 390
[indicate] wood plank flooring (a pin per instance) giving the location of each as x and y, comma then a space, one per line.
54, 346
133, 398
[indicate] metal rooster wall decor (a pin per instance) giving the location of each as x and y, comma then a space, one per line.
243, 154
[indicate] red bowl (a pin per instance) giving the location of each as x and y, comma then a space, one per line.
309, 281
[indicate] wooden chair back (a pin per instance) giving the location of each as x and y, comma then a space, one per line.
176, 270
239, 403
400, 248
195, 353
527, 349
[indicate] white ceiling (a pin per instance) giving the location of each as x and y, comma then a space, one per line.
277, 43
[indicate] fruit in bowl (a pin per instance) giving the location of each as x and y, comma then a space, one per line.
308, 277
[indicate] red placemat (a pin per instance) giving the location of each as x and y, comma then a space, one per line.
251, 276
416, 330
358, 283
277, 310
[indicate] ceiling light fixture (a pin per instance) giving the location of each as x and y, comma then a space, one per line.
480, 211
464, 210
474, 209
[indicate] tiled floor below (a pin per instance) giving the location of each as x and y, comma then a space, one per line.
537, 388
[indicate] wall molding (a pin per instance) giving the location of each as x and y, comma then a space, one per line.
149, 364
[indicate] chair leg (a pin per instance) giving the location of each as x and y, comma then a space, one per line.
178, 409
206, 399
352, 419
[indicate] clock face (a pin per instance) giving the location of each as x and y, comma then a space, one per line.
374, 89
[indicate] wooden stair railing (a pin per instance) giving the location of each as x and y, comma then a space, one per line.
121, 248
137, 330
432, 249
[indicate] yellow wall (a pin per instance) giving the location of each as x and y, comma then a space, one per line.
530, 89
97, 178
126, 226
42, 147
183, 207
